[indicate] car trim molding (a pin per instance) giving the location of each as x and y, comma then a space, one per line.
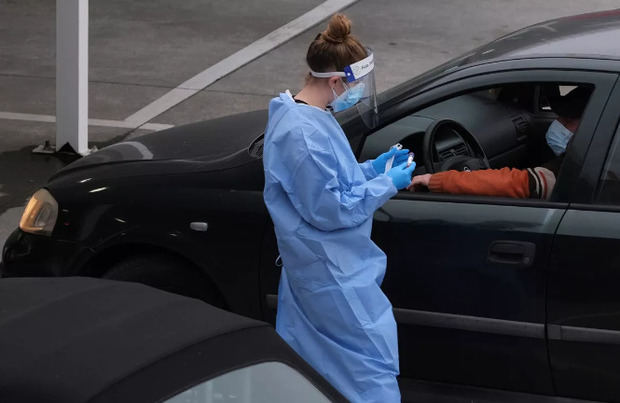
472, 199
583, 334
591, 224
496, 326
470, 323
457, 322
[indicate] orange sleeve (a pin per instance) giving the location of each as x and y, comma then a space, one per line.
505, 182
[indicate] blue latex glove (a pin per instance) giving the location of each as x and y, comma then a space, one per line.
401, 175
400, 156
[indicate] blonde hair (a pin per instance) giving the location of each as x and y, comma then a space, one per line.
335, 48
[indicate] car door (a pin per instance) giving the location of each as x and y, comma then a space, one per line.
584, 273
466, 275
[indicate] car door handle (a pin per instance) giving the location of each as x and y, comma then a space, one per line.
514, 253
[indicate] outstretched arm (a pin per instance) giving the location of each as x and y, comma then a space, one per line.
505, 182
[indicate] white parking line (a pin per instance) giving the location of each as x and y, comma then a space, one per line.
30, 117
237, 60
207, 77
27, 116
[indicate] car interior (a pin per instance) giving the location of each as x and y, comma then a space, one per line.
502, 126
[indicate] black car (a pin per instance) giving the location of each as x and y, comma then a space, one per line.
77, 340
510, 294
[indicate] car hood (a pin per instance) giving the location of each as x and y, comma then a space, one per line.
203, 141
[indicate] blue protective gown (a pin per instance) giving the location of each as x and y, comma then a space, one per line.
331, 309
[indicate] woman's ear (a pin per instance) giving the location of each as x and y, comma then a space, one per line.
333, 83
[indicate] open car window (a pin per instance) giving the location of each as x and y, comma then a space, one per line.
508, 122
548, 91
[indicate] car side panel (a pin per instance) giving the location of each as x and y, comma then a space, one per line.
227, 250
101, 215
462, 318
584, 306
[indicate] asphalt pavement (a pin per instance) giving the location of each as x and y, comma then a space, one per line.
140, 51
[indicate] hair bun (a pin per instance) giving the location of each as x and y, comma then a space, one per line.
338, 29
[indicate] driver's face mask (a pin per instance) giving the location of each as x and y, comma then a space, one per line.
557, 137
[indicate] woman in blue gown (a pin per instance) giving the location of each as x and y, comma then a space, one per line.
331, 309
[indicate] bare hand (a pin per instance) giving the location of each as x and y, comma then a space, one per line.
419, 181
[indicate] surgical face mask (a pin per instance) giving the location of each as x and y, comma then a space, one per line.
348, 98
557, 137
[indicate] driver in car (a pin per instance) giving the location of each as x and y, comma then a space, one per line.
535, 183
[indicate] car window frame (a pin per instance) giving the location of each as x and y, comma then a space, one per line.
599, 153
604, 83
613, 151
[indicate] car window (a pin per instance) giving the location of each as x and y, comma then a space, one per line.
508, 121
609, 192
409, 131
269, 382
498, 117
547, 91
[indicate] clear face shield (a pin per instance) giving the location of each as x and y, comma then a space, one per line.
359, 83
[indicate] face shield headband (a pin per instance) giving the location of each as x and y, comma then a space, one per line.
352, 72
359, 92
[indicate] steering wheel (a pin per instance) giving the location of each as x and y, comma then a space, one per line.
448, 132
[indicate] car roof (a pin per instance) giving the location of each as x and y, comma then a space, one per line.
71, 339
593, 35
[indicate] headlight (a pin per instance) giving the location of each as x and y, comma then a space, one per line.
40, 214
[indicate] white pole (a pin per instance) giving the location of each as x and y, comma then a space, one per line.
72, 75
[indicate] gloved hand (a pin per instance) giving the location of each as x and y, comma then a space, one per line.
400, 156
401, 175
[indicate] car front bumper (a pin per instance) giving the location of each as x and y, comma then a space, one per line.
27, 255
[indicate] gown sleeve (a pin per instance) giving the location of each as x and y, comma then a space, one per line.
320, 197
368, 170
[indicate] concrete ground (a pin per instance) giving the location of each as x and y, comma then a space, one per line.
142, 49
